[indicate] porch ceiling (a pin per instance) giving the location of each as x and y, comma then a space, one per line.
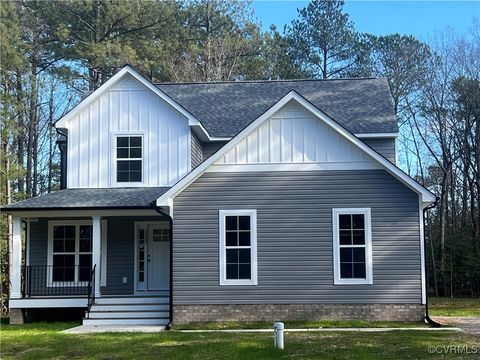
111, 198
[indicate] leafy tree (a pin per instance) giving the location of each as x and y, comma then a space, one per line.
103, 36
403, 60
222, 40
276, 61
466, 94
323, 40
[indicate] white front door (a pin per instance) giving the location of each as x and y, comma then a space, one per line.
158, 256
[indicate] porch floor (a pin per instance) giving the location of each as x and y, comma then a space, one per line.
76, 301
159, 294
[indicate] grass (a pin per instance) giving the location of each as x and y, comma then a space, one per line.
44, 341
444, 306
298, 325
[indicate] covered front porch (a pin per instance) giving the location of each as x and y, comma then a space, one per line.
72, 257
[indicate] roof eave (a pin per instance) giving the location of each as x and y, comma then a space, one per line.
15, 209
377, 135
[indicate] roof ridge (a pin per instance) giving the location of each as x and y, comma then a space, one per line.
265, 81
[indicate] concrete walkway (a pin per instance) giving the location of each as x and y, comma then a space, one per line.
87, 329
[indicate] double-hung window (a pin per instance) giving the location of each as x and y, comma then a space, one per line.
238, 247
70, 253
129, 159
352, 246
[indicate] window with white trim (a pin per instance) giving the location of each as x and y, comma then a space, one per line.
129, 159
70, 244
71, 253
352, 246
238, 247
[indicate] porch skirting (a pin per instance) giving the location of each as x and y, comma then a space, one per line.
184, 314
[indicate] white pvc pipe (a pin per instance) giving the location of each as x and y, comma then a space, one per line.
278, 328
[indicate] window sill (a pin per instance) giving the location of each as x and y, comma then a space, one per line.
353, 282
237, 282
128, 184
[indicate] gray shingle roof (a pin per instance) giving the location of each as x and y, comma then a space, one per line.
92, 198
225, 108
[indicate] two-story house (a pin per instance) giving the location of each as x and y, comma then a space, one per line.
258, 200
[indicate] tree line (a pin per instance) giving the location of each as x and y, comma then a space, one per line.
54, 53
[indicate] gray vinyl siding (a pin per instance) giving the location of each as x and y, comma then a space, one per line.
120, 256
211, 147
294, 224
38, 255
385, 147
197, 152
39, 242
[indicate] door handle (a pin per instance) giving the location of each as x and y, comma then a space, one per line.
148, 257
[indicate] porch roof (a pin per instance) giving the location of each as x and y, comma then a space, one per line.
105, 198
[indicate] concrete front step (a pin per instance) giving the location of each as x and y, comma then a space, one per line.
127, 314
129, 310
136, 321
130, 307
132, 300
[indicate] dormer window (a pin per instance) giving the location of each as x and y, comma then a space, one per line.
129, 159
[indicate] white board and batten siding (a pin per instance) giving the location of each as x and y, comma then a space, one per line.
294, 136
127, 108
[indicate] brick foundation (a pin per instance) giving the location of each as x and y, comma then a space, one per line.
16, 316
184, 314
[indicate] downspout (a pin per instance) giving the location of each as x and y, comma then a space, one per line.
62, 145
428, 319
170, 293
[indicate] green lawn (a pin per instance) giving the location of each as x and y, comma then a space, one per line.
44, 341
444, 306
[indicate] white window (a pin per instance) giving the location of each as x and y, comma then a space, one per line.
352, 246
238, 247
129, 158
70, 253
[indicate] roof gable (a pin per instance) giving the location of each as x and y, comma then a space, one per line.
133, 79
293, 135
167, 198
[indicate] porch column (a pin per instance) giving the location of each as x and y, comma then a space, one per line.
96, 250
16, 265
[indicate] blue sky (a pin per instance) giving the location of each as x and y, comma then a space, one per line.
419, 18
